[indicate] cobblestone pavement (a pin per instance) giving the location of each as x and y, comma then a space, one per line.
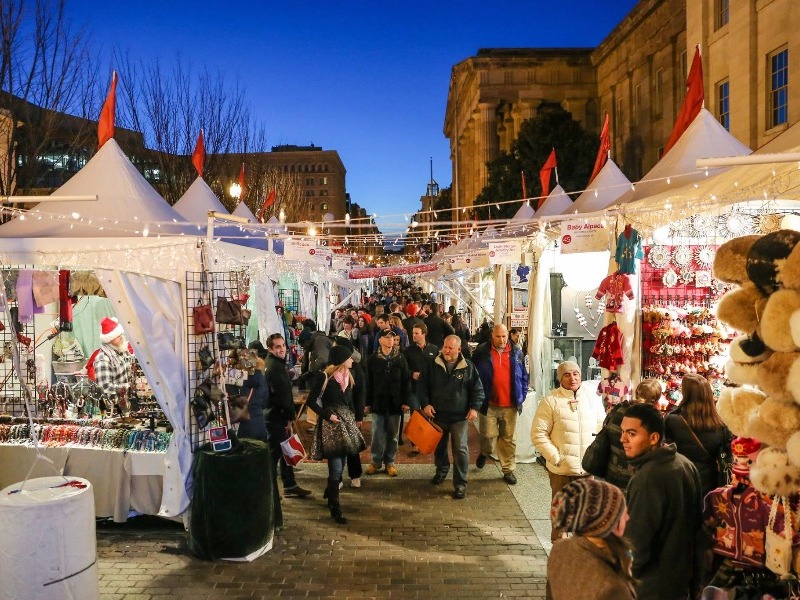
406, 539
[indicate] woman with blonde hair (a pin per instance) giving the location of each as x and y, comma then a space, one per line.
594, 514
338, 432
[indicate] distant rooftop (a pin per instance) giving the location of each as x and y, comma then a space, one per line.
296, 148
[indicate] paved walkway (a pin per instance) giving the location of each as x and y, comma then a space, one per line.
406, 539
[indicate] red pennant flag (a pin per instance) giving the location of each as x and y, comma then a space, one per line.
105, 126
241, 183
692, 103
602, 152
524, 187
544, 175
199, 154
268, 201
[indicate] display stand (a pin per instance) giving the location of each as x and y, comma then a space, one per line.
233, 514
47, 540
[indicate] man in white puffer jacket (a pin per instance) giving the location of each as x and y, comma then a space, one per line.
565, 423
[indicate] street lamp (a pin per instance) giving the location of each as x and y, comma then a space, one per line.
235, 190
282, 216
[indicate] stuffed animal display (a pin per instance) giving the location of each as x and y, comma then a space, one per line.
764, 361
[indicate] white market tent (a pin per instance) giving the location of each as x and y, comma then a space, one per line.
197, 201
609, 184
127, 204
556, 203
241, 210
143, 278
704, 138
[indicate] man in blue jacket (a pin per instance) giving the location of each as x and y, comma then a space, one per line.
501, 368
450, 392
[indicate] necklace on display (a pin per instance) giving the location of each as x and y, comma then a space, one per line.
588, 300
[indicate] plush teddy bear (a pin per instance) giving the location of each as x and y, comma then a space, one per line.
765, 359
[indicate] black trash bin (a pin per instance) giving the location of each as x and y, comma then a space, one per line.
233, 510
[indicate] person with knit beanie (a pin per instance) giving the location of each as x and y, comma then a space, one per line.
334, 398
564, 425
593, 514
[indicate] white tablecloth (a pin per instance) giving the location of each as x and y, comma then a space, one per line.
122, 481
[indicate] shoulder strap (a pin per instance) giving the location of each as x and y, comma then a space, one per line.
322, 390
694, 435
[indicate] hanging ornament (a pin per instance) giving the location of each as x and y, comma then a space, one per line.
670, 278
705, 256
658, 257
703, 225
769, 223
682, 256
735, 224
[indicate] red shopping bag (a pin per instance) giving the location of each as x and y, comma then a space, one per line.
293, 451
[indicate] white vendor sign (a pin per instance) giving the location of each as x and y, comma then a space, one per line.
473, 260
505, 253
519, 319
307, 251
583, 236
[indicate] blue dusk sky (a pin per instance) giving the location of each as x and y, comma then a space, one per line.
368, 79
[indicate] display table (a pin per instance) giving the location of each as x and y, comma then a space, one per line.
122, 481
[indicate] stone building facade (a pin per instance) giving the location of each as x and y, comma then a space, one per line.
637, 75
320, 174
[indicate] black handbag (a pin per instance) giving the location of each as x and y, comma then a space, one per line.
595, 459
205, 357
230, 341
205, 396
231, 312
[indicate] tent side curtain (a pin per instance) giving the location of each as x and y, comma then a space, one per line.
151, 311
266, 300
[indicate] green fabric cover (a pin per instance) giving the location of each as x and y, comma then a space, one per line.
233, 505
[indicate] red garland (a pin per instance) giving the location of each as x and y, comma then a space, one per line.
392, 271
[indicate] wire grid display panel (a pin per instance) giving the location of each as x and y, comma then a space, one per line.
289, 299
12, 401
206, 289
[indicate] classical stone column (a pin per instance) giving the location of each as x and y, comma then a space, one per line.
487, 138
522, 112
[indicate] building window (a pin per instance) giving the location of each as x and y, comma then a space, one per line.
309, 193
323, 192
309, 181
721, 14
324, 206
323, 181
658, 101
723, 104
778, 87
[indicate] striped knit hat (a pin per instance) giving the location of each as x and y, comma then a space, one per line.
587, 507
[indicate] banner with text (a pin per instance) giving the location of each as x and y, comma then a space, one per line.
307, 251
584, 236
478, 259
505, 252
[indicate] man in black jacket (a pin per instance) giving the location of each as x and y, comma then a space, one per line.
388, 394
451, 393
665, 507
279, 414
438, 329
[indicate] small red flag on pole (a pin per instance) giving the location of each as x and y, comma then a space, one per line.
602, 152
544, 175
693, 102
241, 183
105, 126
199, 154
268, 201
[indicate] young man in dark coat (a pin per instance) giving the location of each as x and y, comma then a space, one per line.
280, 413
388, 394
450, 392
665, 506
438, 329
